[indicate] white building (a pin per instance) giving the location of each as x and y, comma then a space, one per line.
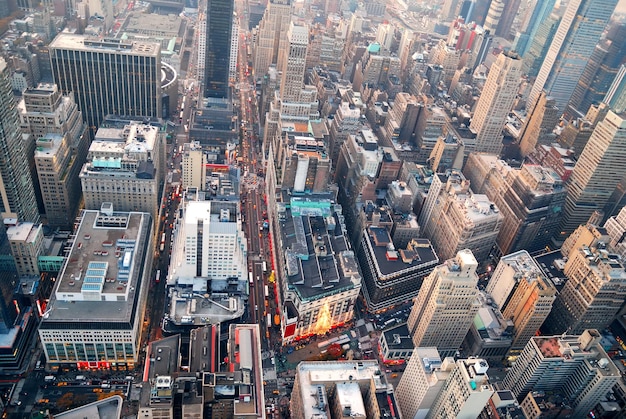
125, 167
193, 166
466, 391
208, 262
26, 240
421, 382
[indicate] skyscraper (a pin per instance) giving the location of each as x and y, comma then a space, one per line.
496, 101
446, 305
616, 95
108, 76
597, 172
219, 18
523, 294
539, 124
593, 293
576, 367
17, 193
600, 72
466, 391
540, 13
574, 42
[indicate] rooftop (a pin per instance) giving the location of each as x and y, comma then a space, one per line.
398, 337
109, 408
317, 378
525, 267
318, 258
104, 269
418, 255
86, 43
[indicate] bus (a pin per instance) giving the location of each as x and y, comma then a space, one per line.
250, 278
163, 238
268, 321
264, 266
266, 291
157, 277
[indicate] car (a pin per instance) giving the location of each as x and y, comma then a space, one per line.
276, 392
97, 390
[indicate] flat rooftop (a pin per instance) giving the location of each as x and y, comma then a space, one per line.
88, 43
103, 270
318, 258
109, 408
398, 337
390, 262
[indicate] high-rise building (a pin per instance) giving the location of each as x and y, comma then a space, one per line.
496, 101
539, 45
597, 172
58, 168
599, 73
506, 23
124, 77
272, 36
539, 125
529, 200
574, 41
454, 219
95, 315
126, 167
541, 12
616, 95
576, 367
594, 291
17, 191
421, 382
446, 305
523, 294
392, 276
26, 246
466, 391
219, 19
194, 166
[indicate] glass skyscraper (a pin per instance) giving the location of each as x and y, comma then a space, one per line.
218, 39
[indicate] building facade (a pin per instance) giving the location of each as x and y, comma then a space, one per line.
124, 77
216, 78
446, 305
95, 315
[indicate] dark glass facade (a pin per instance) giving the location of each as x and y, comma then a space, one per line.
218, 40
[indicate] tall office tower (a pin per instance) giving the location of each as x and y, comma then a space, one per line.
481, 47
421, 382
493, 16
294, 65
58, 169
17, 190
234, 50
599, 72
219, 19
126, 167
272, 36
46, 113
446, 305
194, 166
523, 294
347, 121
124, 77
541, 12
539, 45
616, 95
466, 391
539, 125
101, 292
496, 101
579, 31
597, 172
454, 218
507, 19
576, 367
450, 9
529, 199
593, 293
